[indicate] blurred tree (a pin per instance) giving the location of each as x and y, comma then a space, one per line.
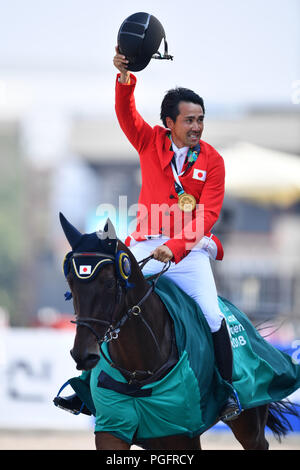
11, 193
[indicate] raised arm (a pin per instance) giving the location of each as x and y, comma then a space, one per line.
131, 122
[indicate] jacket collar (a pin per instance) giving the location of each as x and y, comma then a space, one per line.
164, 147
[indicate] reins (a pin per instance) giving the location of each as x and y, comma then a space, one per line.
112, 332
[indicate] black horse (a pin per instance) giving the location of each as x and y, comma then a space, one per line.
120, 307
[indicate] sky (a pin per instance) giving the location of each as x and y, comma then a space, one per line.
56, 56
228, 49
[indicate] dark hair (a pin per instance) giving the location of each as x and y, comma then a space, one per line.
169, 105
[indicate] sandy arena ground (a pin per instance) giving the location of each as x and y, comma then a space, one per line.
57, 440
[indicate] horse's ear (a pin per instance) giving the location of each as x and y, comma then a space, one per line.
108, 236
72, 234
108, 231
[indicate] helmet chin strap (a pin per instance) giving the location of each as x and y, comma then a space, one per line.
166, 55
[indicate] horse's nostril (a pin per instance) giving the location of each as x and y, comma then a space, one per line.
86, 361
73, 354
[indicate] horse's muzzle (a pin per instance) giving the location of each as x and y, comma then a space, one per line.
86, 362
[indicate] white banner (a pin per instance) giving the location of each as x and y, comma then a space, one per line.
34, 363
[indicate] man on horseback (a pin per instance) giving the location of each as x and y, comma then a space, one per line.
185, 176
174, 162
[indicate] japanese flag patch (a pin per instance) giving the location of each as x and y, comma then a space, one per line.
85, 269
199, 174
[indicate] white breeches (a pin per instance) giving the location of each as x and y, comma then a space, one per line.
193, 274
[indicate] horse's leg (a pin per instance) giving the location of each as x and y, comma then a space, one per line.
106, 441
173, 443
249, 428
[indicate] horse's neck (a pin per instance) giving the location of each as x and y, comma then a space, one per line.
136, 347
144, 341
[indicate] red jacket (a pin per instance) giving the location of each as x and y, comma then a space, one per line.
205, 181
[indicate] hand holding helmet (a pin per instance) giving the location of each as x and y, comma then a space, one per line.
120, 62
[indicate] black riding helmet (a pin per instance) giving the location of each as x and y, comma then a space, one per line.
139, 38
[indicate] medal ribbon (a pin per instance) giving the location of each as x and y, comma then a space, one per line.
192, 156
178, 187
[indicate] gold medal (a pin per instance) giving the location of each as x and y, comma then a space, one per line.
186, 202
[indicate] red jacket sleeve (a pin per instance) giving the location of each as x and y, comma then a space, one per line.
131, 122
210, 205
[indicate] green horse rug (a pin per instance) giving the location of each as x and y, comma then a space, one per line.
188, 399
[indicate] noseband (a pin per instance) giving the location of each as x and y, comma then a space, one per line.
112, 332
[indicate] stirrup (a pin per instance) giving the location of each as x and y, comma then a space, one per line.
56, 401
230, 416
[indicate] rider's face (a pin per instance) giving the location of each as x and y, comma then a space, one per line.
188, 127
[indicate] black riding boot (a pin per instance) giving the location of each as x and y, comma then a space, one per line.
72, 403
224, 361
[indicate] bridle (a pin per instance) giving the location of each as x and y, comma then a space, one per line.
112, 331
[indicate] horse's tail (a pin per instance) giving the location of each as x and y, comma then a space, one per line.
277, 420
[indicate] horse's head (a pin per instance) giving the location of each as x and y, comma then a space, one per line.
98, 272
